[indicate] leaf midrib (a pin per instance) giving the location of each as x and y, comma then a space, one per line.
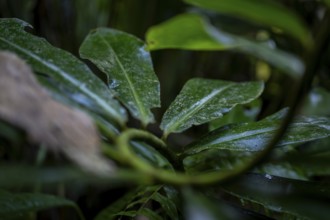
184, 115
131, 85
72, 80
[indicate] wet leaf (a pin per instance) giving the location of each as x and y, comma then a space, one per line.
126, 205
200, 207
317, 102
26, 105
241, 113
303, 199
150, 154
167, 205
266, 12
254, 136
128, 67
119, 205
192, 32
202, 100
18, 205
61, 66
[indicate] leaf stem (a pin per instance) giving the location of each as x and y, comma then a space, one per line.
157, 143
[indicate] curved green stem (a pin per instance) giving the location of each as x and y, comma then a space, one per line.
157, 143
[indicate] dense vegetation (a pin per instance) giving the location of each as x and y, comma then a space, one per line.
194, 109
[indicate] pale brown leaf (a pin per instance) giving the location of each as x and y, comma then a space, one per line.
26, 105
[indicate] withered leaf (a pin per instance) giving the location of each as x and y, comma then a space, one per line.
28, 106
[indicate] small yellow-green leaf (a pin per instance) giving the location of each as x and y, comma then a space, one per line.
127, 64
266, 12
186, 31
193, 32
202, 100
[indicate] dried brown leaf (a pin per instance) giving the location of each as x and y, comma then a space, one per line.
26, 105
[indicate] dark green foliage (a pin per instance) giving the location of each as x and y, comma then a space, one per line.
234, 155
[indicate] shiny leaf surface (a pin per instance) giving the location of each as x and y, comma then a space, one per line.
18, 205
60, 65
255, 135
266, 12
192, 32
202, 100
200, 207
135, 203
302, 199
128, 68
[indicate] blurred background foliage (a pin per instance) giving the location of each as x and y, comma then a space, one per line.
65, 23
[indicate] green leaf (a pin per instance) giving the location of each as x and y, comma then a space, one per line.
145, 212
302, 199
202, 100
192, 32
111, 211
299, 165
60, 65
15, 205
241, 113
198, 206
186, 31
126, 205
167, 205
327, 2
128, 68
150, 154
317, 102
266, 12
255, 135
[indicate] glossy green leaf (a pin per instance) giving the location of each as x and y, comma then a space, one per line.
186, 31
317, 102
241, 113
167, 205
150, 154
131, 204
202, 100
192, 32
266, 12
198, 207
16, 205
87, 89
255, 135
303, 199
145, 212
111, 211
128, 67
299, 166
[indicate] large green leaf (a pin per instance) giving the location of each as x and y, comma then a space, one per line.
198, 206
202, 100
305, 200
133, 204
192, 32
128, 67
16, 205
266, 12
87, 89
255, 135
